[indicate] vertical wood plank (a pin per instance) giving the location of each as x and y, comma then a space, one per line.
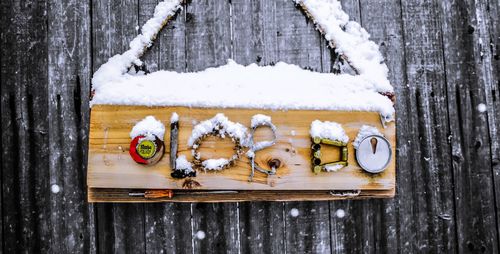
353, 223
307, 227
25, 190
492, 11
428, 131
299, 43
254, 32
172, 44
69, 73
208, 34
261, 224
208, 44
167, 226
114, 24
345, 236
382, 19
353, 226
472, 137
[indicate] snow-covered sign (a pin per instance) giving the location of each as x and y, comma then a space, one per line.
226, 101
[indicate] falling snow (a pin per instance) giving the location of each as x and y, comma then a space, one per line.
340, 213
481, 107
55, 188
200, 235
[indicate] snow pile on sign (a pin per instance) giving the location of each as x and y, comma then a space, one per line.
181, 163
328, 130
365, 131
148, 126
280, 87
333, 168
174, 118
215, 164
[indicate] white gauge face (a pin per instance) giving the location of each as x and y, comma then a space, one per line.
374, 153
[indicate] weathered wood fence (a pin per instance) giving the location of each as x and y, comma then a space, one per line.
444, 62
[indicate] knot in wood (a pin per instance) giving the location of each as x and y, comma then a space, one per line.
274, 163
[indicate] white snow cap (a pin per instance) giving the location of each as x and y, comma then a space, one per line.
365, 131
181, 163
214, 164
280, 87
333, 168
328, 130
147, 127
235, 130
174, 118
260, 119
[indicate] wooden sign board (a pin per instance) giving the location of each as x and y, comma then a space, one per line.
112, 173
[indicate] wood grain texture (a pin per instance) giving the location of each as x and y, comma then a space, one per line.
69, 72
24, 128
446, 52
471, 137
427, 100
110, 165
183, 196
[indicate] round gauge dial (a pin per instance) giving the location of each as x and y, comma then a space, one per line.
374, 153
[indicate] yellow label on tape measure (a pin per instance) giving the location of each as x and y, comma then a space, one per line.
146, 149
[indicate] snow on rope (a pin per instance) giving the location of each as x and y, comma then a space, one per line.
118, 65
349, 39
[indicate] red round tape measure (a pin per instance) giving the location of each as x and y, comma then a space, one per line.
146, 150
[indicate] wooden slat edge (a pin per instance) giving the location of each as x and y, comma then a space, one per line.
105, 195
